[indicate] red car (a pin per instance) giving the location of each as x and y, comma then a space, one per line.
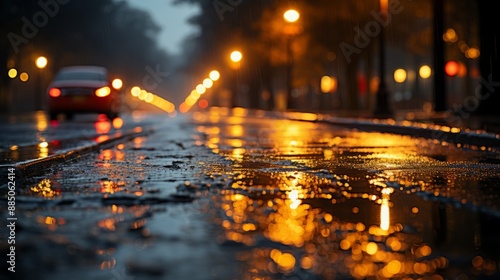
82, 89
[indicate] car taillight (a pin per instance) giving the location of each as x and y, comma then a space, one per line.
55, 92
102, 92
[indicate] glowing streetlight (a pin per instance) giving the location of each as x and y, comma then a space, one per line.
201, 89
12, 73
424, 71
208, 83
24, 77
135, 91
236, 56
291, 15
400, 75
117, 84
451, 68
328, 84
214, 75
41, 62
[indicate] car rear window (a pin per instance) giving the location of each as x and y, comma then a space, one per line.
80, 76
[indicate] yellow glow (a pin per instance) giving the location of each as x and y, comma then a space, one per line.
41, 121
108, 224
149, 97
394, 266
194, 94
117, 123
425, 71
12, 73
142, 94
450, 35
41, 62
102, 127
371, 248
201, 89
306, 262
400, 75
293, 195
472, 53
44, 188
135, 91
384, 4
286, 261
208, 83
289, 224
43, 145
328, 84
328, 217
24, 77
291, 15
102, 92
328, 154
385, 218
345, 244
214, 75
236, 56
117, 84
236, 130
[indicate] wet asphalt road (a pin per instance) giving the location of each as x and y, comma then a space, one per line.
233, 195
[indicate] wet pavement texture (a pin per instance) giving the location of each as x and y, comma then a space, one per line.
33, 136
235, 195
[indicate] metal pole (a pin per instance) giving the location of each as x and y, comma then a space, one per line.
382, 107
439, 84
289, 69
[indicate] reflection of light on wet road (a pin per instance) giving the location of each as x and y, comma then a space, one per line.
44, 189
43, 149
111, 187
385, 218
117, 123
41, 121
293, 195
51, 223
102, 126
338, 204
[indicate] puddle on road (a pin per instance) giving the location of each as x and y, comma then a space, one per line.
307, 201
293, 200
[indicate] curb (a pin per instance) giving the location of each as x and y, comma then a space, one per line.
464, 137
480, 140
37, 166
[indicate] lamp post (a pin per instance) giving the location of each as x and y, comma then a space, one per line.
40, 63
290, 16
235, 57
382, 107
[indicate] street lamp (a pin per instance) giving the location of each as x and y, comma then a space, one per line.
236, 57
382, 107
290, 16
40, 63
